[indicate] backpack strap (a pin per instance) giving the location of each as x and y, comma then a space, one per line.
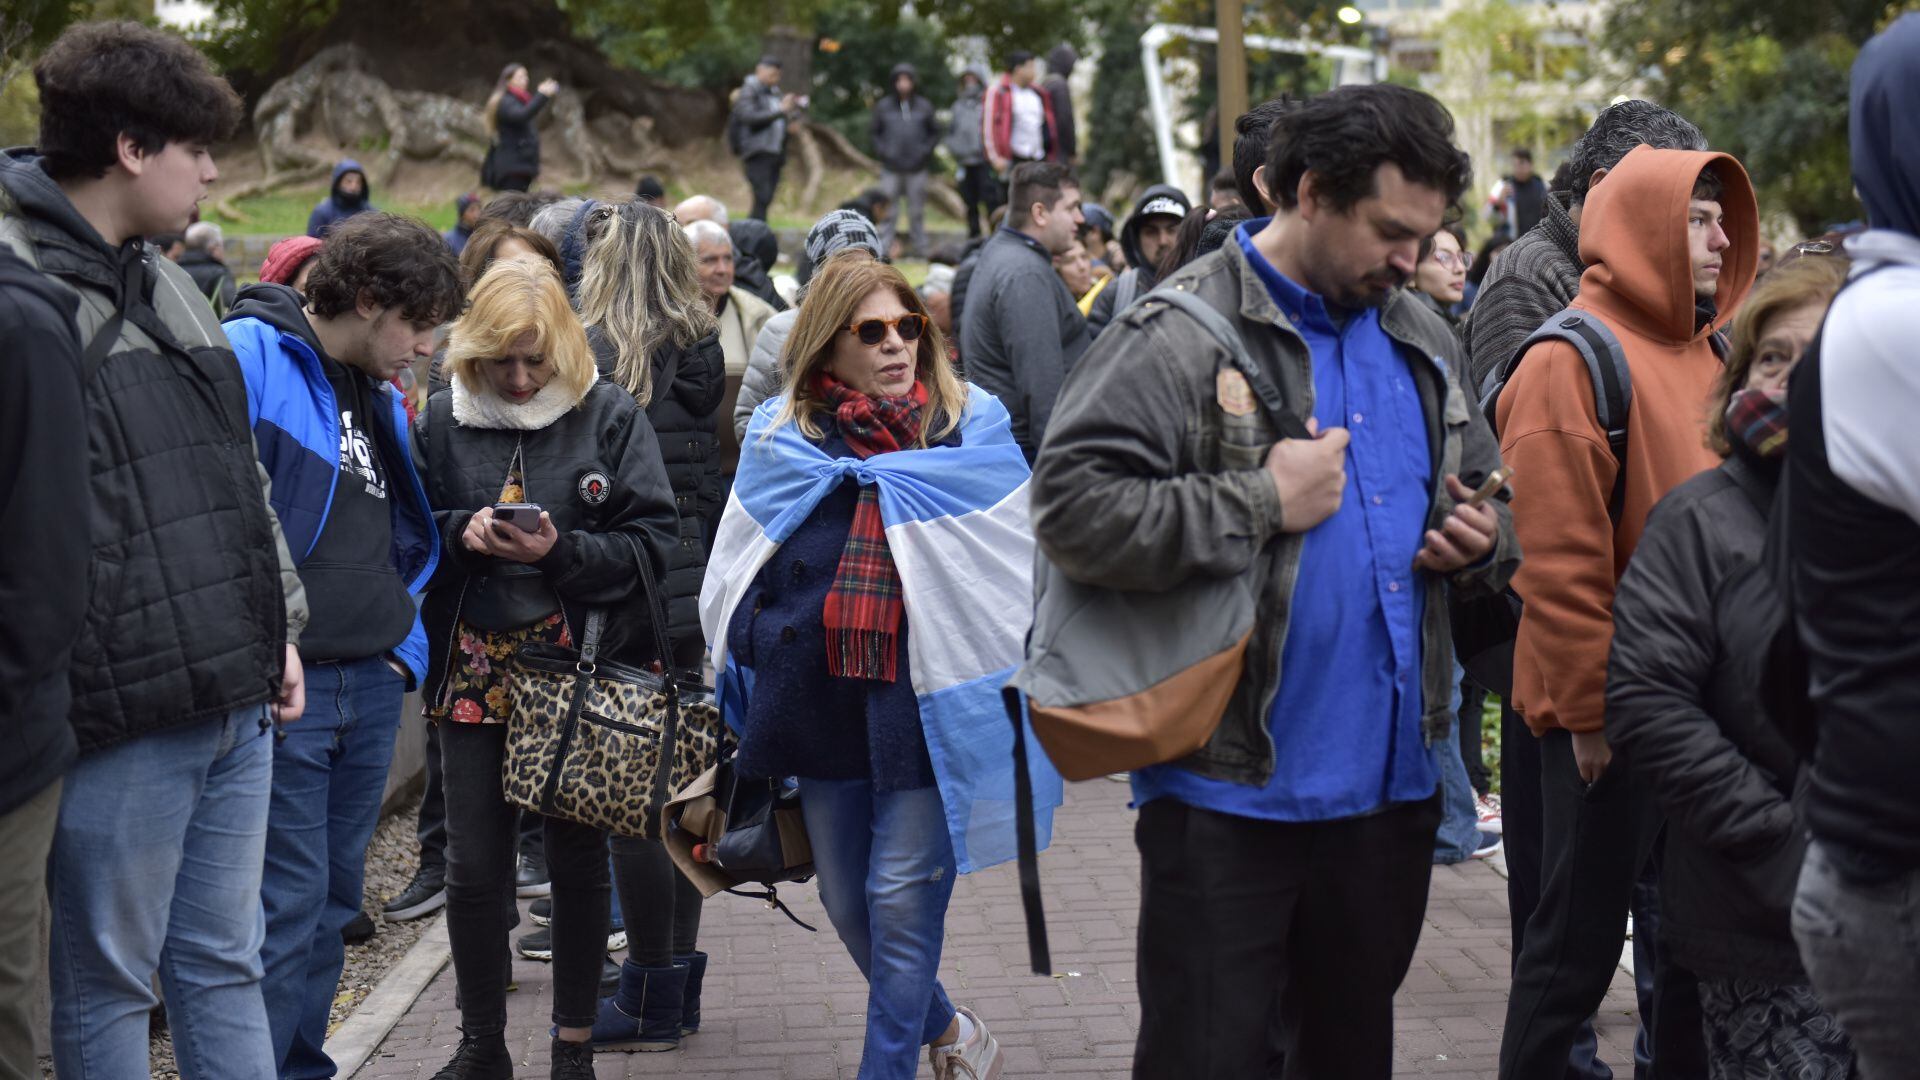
1126, 289
1222, 331
100, 345
1606, 364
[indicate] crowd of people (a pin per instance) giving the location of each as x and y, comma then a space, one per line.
1556, 469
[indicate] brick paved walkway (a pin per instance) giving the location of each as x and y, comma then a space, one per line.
783, 1004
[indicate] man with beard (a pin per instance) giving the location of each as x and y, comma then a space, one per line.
1285, 864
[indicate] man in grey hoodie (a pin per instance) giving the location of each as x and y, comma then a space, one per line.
1146, 238
905, 134
967, 142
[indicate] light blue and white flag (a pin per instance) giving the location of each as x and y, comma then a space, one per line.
956, 523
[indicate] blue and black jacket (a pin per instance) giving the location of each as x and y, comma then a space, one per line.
294, 410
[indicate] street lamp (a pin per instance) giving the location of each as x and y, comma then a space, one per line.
1351, 15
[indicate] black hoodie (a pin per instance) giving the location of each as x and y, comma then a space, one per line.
1140, 277
359, 603
43, 500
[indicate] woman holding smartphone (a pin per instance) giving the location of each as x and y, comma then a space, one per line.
527, 422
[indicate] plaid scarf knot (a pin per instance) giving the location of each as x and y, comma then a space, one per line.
1758, 420
866, 602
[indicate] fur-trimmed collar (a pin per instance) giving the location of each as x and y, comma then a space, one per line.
489, 411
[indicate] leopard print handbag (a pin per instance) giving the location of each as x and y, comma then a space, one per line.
603, 743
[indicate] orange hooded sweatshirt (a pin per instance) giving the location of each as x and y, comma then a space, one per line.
1639, 282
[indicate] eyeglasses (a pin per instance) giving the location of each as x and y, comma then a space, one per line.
1454, 260
874, 331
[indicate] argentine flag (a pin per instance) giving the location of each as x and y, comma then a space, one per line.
956, 522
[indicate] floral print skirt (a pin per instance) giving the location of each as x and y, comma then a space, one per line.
477, 690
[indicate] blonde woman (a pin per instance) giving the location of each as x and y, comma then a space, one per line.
513, 159
527, 419
652, 333
868, 593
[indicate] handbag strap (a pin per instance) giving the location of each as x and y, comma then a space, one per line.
1027, 839
656, 608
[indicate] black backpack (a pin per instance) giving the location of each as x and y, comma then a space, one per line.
1484, 629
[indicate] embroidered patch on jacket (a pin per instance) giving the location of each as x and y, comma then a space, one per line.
594, 487
1230, 389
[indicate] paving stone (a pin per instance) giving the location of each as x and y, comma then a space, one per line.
785, 1004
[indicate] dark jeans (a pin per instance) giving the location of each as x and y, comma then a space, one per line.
432, 829
980, 191
664, 906
1596, 841
1473, 703
763, 176
481, 842
1244, 920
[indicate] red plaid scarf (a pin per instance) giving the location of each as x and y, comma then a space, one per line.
1758, 418
865, 604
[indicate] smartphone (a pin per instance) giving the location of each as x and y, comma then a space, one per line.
522, 516
1496, 480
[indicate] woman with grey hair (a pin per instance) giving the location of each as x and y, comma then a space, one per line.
838, 231
741, 315
653, 333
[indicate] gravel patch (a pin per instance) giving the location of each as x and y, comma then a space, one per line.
392, 858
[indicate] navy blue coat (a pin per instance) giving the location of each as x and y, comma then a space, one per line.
801, 721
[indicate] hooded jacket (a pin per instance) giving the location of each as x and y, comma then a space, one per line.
966, 131
43, 579
756, 250
1853, 477
1140, 276
1639, 282
905, 130
193, 596
295, 414
336, 207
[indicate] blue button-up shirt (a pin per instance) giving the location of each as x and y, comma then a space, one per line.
1346, 718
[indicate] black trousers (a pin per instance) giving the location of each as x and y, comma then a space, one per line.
432, 828
980, 190
1243, 920
1473, 701
763, 176
1595, 843
482, 833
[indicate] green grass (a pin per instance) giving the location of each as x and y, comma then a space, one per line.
285, 214
1490, 739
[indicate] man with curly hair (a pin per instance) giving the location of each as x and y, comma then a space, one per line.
188, 650
332, 433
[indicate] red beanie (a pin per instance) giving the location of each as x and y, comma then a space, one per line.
285, 259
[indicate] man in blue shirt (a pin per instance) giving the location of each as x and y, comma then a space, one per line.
1285, 865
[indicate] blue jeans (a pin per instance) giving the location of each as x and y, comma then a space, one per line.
328, 775
1459, 825
886, 871
156, 867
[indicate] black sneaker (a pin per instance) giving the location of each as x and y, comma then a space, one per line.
530, 878
424, 895
541, 911
359, 930
572, 1060
481, 1057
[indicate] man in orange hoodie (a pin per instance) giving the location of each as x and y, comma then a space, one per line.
1670, 242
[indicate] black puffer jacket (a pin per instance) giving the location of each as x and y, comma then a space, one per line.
688, 385
1692, 614
603, 444
193, 596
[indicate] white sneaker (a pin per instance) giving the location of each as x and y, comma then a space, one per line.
979, 1058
